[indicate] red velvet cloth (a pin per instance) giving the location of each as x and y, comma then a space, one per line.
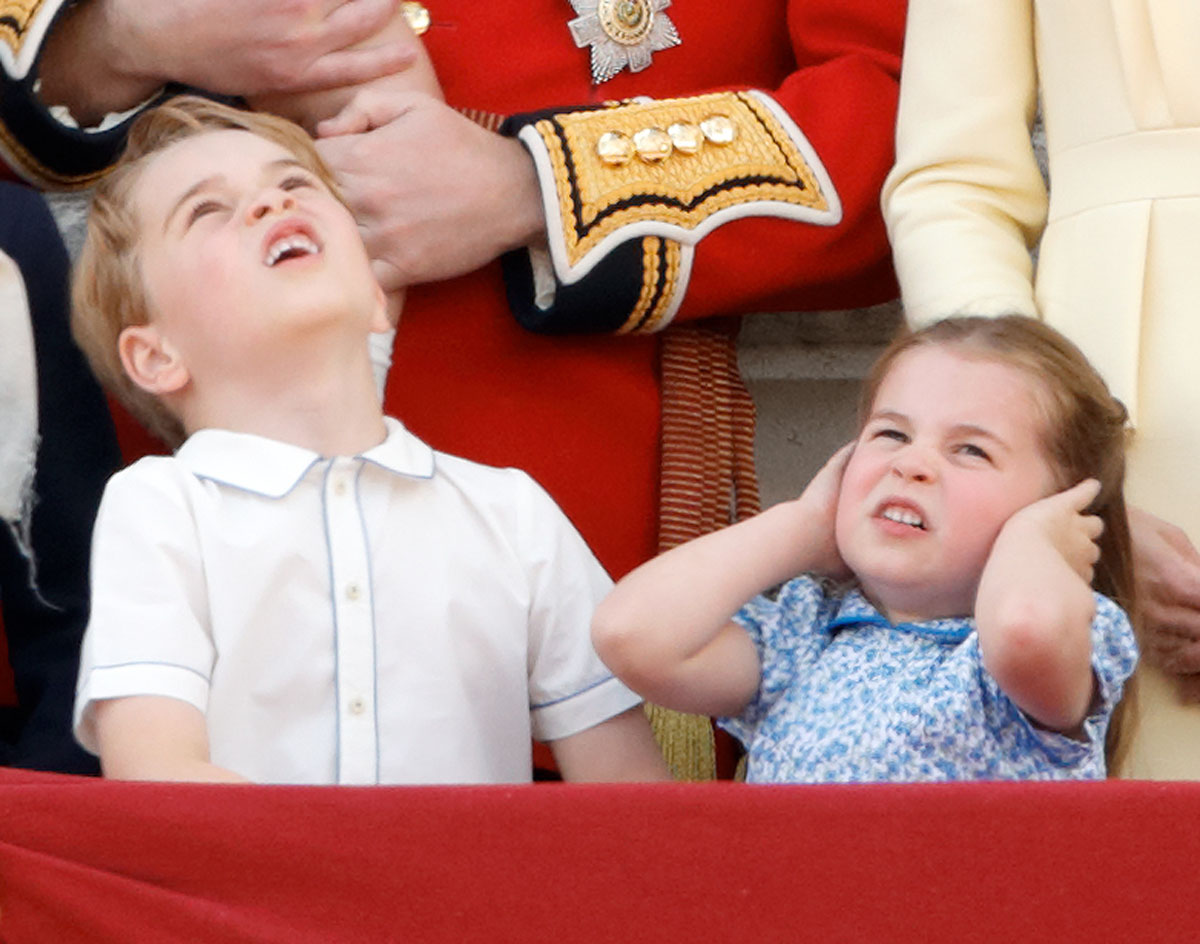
101, 861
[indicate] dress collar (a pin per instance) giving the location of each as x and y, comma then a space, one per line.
855, 610
272, 468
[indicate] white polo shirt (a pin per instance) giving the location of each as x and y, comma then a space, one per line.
402, 616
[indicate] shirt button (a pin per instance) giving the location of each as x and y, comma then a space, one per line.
339, 487
353, 591
357, 705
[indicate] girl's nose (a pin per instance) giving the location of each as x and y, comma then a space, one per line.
912, 465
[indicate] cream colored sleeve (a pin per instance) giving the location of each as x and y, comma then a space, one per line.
965, 199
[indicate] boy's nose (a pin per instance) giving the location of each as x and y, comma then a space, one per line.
271, 201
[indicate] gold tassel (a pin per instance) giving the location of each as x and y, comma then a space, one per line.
707, 481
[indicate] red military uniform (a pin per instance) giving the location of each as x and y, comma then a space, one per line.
581, 412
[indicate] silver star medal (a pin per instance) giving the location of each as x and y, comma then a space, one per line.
622, 33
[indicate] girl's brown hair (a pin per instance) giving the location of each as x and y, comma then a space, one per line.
108, 293
1084, 436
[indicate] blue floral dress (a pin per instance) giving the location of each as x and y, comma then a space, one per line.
846, 696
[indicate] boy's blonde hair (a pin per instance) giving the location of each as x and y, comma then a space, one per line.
109, 294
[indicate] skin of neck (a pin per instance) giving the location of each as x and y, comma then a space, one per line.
312, 392
917, 606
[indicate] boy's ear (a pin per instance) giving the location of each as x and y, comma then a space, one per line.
151, 361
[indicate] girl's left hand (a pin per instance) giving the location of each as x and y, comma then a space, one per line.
1060, 521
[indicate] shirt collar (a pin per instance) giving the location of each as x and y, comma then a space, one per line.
856, 609
273, 468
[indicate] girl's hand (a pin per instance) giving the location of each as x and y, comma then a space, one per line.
1035, 606
816, 508
1060, 522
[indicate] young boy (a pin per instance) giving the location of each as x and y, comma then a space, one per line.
305, 592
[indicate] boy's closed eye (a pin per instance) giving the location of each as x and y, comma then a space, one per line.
296, 181
974, 451
203, 208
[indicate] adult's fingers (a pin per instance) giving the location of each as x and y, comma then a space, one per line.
365, 112
1178, 539
348, 22
390, 278
345, 67
1171, 637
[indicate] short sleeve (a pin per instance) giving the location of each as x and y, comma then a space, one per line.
148, 633
1114, 657
784, 630
570, 689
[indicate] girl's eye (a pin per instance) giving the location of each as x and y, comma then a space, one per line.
889, 432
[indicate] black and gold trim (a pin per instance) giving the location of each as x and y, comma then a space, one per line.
17, 17
661, 264
34, 144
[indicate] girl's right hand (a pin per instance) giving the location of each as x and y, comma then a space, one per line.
816, 508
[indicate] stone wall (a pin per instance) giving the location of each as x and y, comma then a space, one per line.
804, 371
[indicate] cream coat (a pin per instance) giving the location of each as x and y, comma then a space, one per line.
1118, 239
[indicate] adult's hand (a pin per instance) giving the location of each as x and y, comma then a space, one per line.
1167, 570
435, 194
108, 55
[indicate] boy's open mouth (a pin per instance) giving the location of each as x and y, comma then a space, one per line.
290, 247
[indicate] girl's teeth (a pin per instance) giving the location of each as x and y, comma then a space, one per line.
903, 516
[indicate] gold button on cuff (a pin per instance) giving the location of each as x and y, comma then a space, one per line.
614, 148
653, 145
686, 137
417, 16
718, 129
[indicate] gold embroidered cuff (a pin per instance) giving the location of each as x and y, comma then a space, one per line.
674, 169
23, 24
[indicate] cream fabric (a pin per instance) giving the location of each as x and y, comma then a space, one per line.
1118, 238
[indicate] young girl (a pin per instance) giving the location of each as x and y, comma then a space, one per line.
975, 511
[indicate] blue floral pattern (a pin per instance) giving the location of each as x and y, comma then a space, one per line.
846, 696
